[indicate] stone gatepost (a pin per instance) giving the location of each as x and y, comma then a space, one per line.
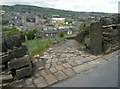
96, 38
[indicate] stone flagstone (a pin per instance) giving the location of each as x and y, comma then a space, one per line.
84, 67
43, 73
67, 65
59, 67
47, 66
29, 81
50, 79
40, 82
47, 71
84, 60
88, 58
78, 62
72, 63
53, 69
54, 64
60, 75
69, 72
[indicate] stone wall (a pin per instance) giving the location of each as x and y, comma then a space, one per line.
104, 35
15, 59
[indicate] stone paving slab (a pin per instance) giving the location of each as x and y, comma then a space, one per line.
69, 72
47, 71
29, 81
84, 67
59, 67
88, 58
40, 82
53, 69
78, 62
43, 73
62, 62
67, 65
47, 65
54, 64
30, 86
72, 63
60, 75
99, 60
50, 79
84, 60
111, 55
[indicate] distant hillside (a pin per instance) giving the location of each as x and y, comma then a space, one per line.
50, 11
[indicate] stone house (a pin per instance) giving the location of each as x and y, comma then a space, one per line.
52, 33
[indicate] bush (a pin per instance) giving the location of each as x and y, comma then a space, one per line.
61, 35
83, 26
31, 34
22, 36
5, 22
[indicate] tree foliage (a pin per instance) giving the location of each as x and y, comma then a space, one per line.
31, 34
5, 22
15, 31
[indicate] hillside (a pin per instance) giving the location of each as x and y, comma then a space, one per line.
50, 11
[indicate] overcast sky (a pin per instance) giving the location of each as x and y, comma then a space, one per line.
110, 6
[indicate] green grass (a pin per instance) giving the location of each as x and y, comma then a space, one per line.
38, 46
70, 35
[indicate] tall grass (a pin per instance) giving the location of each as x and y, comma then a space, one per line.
37, 46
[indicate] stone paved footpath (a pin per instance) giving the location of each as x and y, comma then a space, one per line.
61, 62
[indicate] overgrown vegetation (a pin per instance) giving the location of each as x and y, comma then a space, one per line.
5, 22
15, 31
83, 26
37, 46
61, 35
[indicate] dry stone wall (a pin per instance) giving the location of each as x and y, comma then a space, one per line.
15, 58
104, 35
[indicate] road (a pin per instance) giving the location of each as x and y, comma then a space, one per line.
104, 75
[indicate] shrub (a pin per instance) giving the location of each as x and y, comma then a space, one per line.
61, 35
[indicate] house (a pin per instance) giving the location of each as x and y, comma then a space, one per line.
58, 20
52, 33
24, 21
